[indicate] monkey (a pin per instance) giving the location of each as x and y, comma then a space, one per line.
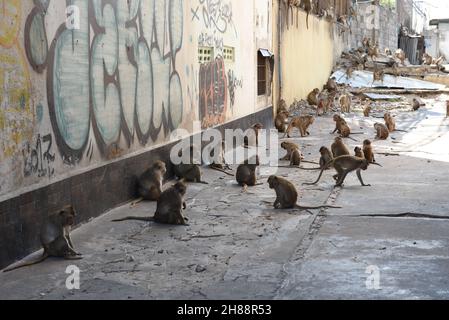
378, 75
287, 196
339, 148
345, 103
150, 183
282, 106
190, 172
331, 84
293, 153
373, 51
302, 123
307, 5
55, 238
368, 151
366, 43
382, 132
388, 52
325, 103
416, 104
169, 207
256, 127
246, 173
400, 54
358, 152
339, 122
447, 109
312, 97
220, 164
427, 59
367, 111
344, 165
280, 120
326, 156
390, 122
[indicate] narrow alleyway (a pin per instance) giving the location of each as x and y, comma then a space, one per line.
238, 247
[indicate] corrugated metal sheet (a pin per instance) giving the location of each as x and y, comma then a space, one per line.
364, 79
375, 96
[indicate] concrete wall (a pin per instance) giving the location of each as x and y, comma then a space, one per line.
75, 100
306, 55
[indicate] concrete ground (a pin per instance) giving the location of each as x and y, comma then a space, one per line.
395, 233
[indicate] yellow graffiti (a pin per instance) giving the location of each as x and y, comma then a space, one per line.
10, 17
16, 115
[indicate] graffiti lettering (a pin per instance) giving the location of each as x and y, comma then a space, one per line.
233, 84
39, 160
216, 14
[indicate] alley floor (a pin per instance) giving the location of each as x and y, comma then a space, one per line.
238, 247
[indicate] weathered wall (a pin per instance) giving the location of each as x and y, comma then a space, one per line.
74, 100
306, 55
443, 40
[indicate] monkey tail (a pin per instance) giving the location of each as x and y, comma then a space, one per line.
147, 219
318, 207
223, 171
27, 264
321, 173
309, 169
307, 20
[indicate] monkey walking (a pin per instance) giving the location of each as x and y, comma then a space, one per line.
287, 196
302, 124
149, 184
169, 207
344, 165
55, 238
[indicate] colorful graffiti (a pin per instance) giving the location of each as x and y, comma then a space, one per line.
16, 116
213, 88
121, 79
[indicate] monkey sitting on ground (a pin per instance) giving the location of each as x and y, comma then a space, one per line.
358, 152
368, 151
256, 127
339, 122
246, 173
312, 97
326, 156
390, 122
190, 172
287, 196
280, 121
367, 111
293, 153
331, 84
169, 207
339, 148
382, 132
345, 103
55, 238
149, 184
302, 124
416, 104
325, 103
344, 165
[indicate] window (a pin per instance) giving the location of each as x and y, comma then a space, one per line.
205, 54
229, 54
261, 74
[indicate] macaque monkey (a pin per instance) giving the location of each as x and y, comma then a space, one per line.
331, 85
287, 196
373, 51
293, 153
368, 151
339, 122
367, 111
416, 104
280, 121
378, 75
149, 184
358, 152
345, 103
256, 127
326, 156
339, 148
325, 103
344, 165
302, 124
307, 6
169, 207
190, 172
382, 132
312, 97
447, 109
246, 173
427, 59
390, 122
55, 238
388, 52
349, 72
400, 54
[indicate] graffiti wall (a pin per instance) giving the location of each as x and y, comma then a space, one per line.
85, 82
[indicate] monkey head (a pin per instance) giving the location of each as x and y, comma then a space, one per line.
160, 166
324, 150
273, 182
336, 117
316, 91
367, 142
357, 150
67, 216
257, 126
387, 116
181, 187
338, 140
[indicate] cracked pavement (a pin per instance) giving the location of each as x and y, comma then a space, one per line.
238, 247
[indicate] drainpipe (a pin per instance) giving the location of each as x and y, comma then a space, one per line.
279, 51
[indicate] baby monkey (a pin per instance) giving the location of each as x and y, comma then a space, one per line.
55, 238
169, 207
287, 196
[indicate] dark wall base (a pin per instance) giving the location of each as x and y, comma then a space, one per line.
92, 194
